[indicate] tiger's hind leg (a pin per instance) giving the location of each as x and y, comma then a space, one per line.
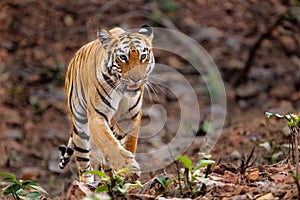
82, 147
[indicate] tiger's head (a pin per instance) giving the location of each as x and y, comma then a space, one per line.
128, 59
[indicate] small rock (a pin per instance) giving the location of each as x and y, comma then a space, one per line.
240, 197
236, 155
282, 91
253, 176
216, 177
288, 43
9, 45
31, 173
234, 64
230, 177
68, 20
278, 178
78, 191
14, 134
296, 61
208, 33
233, 43
29, 126
268, 196
11, 116
245, 91
262, 74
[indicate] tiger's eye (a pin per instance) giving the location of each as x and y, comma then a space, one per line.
123, 57
143, 56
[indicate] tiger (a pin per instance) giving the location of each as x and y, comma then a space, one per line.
104, 87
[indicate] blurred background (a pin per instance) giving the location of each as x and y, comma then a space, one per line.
255, 44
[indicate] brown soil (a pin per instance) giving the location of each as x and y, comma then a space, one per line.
38, 39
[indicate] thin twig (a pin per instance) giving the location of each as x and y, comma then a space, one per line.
246, 164
177, 168
295, 134
207, 172
274, 138
178, 176
243, 74
186, 180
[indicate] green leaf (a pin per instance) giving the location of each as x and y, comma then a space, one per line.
34, 195
121, 171
203, 163
26, 182
291, 119
11, 176
97, 172
207, 156
186, 161
168, 182
162, 180
267, 146
10, 189
131, 185
20, 192
39, 188
268, 115
102, 188
8, 179
295, 175
118, 180
121, 190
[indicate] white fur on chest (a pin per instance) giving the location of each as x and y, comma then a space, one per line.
124, 113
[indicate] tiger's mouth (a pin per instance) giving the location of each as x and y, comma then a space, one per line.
132, 88
131, 84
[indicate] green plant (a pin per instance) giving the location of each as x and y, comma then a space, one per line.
204, 128
21, 189
165, 181
293, 123
35, 103
191, 173
272, 149
14, 90
114, 185
57, 73
168, 6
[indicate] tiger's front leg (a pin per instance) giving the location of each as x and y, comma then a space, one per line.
117, 156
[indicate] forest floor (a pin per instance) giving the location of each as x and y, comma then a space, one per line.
38, 39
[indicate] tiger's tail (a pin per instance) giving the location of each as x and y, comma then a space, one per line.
66, 153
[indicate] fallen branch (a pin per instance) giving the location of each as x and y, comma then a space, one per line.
244, 72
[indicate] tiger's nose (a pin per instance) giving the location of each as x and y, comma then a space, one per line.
135, 79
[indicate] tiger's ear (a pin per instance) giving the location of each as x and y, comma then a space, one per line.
147, 31
104, 37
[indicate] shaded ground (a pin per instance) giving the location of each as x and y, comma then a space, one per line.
38, 38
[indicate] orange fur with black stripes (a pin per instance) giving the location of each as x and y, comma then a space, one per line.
104, 88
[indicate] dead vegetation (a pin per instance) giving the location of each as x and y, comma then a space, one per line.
254, 43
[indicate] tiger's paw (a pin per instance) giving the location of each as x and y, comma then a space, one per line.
126, 160
86, 178
134, 172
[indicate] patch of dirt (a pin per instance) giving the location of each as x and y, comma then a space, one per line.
38, 39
